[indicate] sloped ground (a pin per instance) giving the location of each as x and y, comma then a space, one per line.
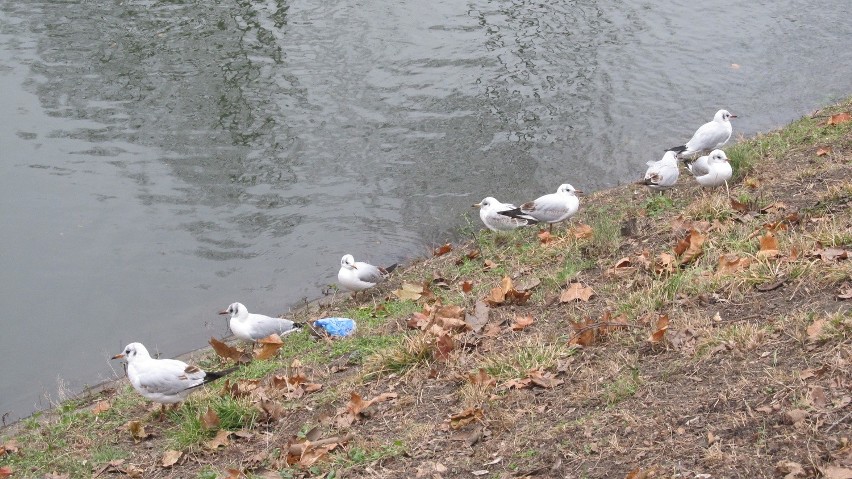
716, 344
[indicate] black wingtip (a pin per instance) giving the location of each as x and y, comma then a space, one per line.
297, 325
389, 269
515, 213
214, 375
677, 149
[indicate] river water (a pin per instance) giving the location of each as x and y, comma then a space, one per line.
161, 159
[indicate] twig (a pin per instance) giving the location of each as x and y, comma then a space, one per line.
838, 422
301, 448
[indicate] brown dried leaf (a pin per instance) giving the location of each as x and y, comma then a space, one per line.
544, 379
495, 297
690, 247
409, 291
442, 250
210, 420
774, 207
269, 347
479, 318
730, 263
838, 119
836, 472
768, 245
814, 331
489, 265
458, 421
830, 254
739, 207
545, 237
5, 472
99, 407
444, 345
170, 458
10, 447
311, 456
660, 330
272, 410
137, 431
576, 292
584, 332
481, 378
581, 230
521, 322
229, 352
466, 286
664, 264
220, 440
822, 151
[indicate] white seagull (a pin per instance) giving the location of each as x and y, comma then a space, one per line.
712, 170
165, 381
358, 276
489, 213
709, 136
252, 327
552, 208
662, 175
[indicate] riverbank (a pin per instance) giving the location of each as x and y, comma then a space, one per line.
684, 334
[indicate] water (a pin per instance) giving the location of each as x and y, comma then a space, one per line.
161, 159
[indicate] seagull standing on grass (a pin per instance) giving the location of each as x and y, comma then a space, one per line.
552, 208
709, 136
489, 213
712, 170
358, 276
165, 381
662, 175
252, 327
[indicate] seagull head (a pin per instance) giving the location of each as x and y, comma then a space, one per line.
235, 309
487, 202
566, 188
348, 262
718, 156
723, 115
132, 351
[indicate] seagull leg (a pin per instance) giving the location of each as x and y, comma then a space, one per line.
551, 227
726, 189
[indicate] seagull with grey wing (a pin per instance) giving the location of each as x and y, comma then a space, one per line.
357, 276
663, 174
708, 136
489, 213
253, 327
552, 208
712, 170
165, 381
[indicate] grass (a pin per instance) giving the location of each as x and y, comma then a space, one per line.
730, 351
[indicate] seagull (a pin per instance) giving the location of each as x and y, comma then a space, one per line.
165, 381
489, 209
358, 276
709, 136
552, 208
252, 327
662, 175
712, 170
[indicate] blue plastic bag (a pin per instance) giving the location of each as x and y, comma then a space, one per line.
339, 327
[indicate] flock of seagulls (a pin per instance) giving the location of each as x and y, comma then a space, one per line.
169, 381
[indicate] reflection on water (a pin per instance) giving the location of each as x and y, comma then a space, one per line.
162, 159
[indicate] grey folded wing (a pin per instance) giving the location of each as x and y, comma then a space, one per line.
267, 325
170, 381
369, 273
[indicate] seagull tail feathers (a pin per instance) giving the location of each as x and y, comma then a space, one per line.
515, 213
677, 149
389, 269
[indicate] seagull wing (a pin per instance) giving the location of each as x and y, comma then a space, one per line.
708, 136
369, 273
262, 326
169, 377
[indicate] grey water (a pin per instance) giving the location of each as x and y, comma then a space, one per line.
162, 159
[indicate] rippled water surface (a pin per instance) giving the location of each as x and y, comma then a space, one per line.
161, 159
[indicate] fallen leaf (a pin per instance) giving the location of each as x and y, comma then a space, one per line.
229, 352
457, 421
664, 264
768, 246
481, 378
311, 456
544, 379
830, 254
444, 345
730, 263
815, 329
209, 420
272, 410
269, 347
442, 250
838, 119
642, 474
584, 332
836, 472
690, 247
233, 473
100, 406
545, 237
466, 286
409, 291
489, 265
845, 291
137, 431
581, 230
10, 447
739, 207
479, 318
660, 329
220, 440
790, 469
774, 207
527, 283
823, 151
170, 458
817, 396
5, 471
521, 322
576, 292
